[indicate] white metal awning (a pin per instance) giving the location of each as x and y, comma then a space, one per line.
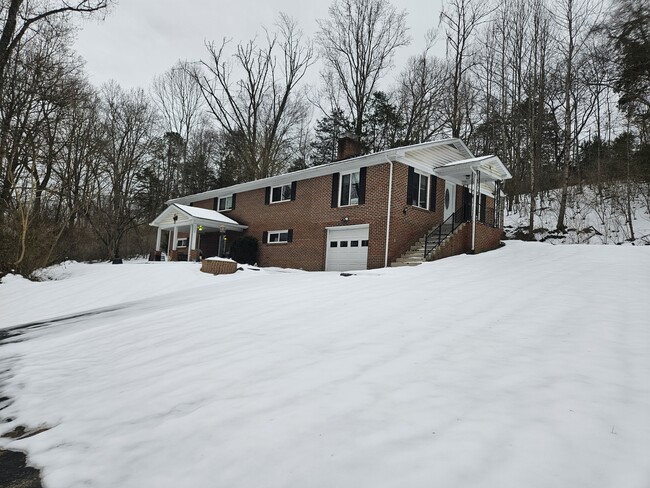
491, 168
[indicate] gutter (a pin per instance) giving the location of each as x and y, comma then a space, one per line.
390, 198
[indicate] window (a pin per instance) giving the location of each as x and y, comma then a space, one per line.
423, 190
350, 189
181, 242
418, 189
278, 236
281, 193
225, 203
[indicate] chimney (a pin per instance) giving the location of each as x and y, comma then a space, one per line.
349, 146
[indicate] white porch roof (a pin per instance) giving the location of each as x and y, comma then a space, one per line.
187, 216
491, 168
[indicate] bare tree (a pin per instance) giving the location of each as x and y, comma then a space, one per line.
19, 17
576, 19
421, 92
358, 42
127, 123
462, 18
179, 99
260, 109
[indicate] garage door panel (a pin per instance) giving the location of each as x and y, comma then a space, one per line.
347, 249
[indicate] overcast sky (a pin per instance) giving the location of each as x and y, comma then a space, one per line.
140, 39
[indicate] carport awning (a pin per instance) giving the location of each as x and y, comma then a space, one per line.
188, 216
491, 168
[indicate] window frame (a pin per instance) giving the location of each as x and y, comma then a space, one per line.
279, 233
418, 175
342, 175
180, 240
282, 199
224, 198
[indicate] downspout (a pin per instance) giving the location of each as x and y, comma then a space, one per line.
390, 197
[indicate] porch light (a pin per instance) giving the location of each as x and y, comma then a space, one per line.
200, 228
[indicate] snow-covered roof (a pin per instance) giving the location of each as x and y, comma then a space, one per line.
425, 156
187, 215
204, 213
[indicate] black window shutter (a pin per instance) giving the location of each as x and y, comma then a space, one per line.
335, 190
411, 190
215, 204
233, 200
362, 186
267, 195
293, 189
191, 204
290, 235
265, 237
432, 193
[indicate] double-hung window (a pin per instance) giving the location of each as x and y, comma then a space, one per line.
181, 242
349, 190
225, 203
281, 193
420, 196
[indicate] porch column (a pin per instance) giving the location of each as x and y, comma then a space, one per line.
475, 174
191, 244
158, 238
175, 238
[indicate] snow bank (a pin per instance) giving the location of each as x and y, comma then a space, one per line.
592, 217
523, 367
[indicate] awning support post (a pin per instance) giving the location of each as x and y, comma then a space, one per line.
475, 174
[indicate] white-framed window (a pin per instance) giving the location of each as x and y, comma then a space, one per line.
225, 203
278, 236
422, 184
349, 188
281, 193
181, 242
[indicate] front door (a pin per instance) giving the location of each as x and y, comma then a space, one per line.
450, 199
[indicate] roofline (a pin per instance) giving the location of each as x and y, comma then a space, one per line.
316, 171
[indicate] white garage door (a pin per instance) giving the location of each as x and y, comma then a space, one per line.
347, 248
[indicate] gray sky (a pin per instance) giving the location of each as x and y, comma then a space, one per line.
140, 39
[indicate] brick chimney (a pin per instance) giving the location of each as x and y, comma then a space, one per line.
349, 146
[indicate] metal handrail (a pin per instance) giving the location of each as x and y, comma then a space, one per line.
460, 216
436, 236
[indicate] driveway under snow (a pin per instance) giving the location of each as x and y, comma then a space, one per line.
524, 367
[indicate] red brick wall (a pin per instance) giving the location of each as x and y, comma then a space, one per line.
207, 204
311, 212
407, 227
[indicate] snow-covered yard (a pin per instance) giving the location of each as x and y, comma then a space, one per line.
524, 367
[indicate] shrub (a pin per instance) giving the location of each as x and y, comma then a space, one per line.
244, 250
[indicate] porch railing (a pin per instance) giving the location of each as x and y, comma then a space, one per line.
437, 235
486, 215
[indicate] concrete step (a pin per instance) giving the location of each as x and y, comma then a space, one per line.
400, 264
410, 259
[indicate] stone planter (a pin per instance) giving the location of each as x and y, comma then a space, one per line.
218, 266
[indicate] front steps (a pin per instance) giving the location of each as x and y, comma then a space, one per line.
415, 255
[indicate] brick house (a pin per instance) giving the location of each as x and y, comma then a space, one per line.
400, 206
